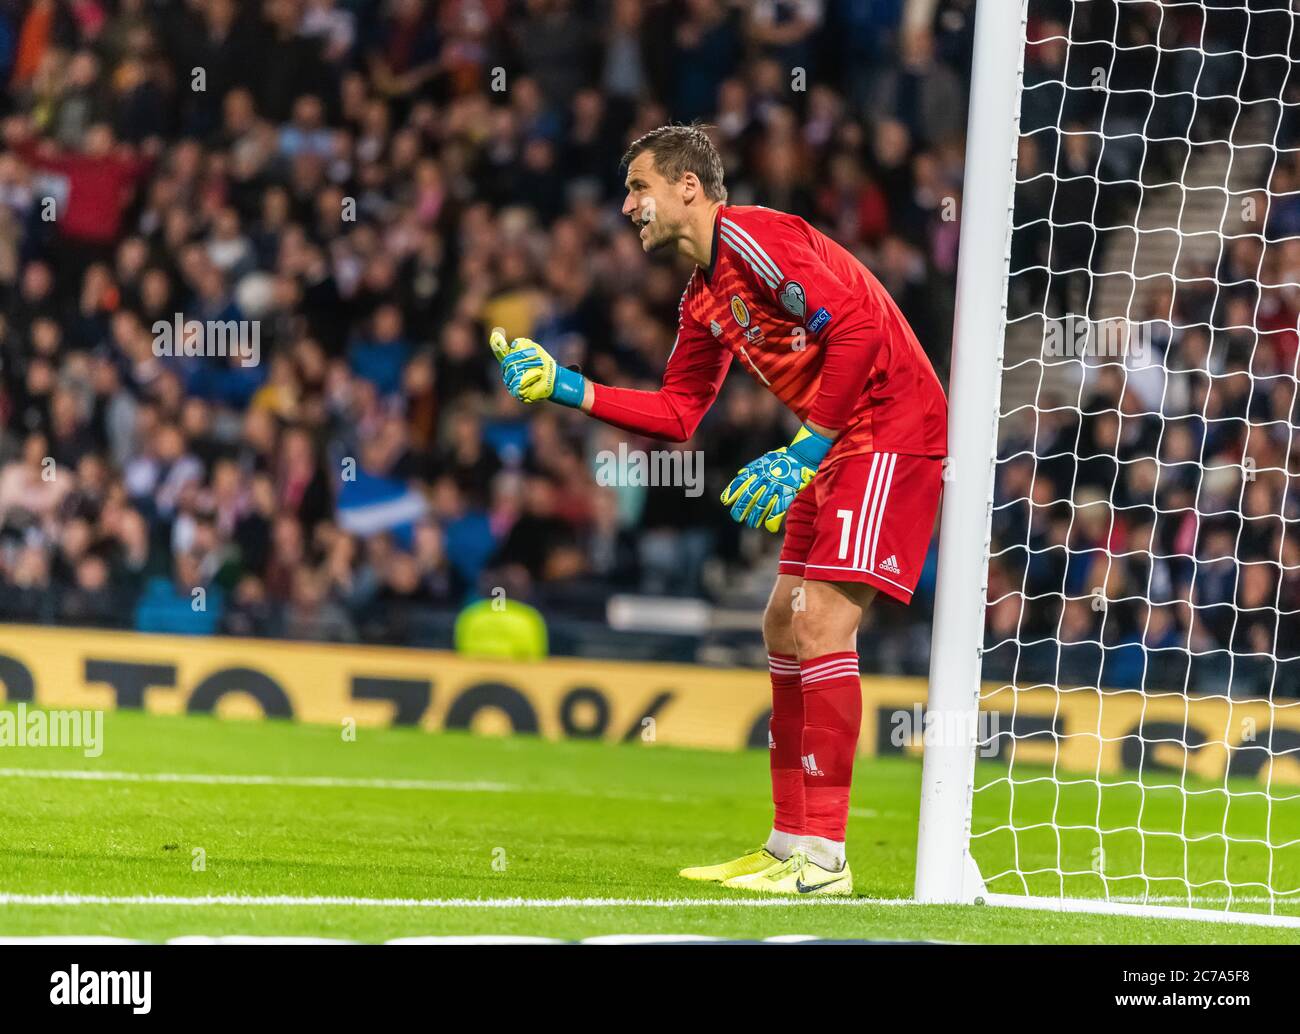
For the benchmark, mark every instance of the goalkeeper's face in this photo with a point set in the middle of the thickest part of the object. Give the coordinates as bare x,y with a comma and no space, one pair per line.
656,207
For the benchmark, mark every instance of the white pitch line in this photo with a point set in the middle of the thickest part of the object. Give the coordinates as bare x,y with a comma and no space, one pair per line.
329,782
1282,898
292,901
342,782
1094,906
335,782
289,900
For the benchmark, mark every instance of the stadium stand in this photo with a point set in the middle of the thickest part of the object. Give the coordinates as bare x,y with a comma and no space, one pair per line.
376,184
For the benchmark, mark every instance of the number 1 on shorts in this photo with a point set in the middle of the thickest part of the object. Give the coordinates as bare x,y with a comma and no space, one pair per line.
846,516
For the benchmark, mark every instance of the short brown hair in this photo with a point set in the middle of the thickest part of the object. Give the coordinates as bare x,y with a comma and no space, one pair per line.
678,150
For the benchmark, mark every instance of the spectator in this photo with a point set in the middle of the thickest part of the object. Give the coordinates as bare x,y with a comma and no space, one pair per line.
360,181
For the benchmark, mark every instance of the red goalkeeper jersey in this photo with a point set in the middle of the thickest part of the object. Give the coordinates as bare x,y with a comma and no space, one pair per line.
811,324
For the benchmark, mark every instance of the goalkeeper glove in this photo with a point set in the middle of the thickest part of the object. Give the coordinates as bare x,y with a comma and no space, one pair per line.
532,375
764,489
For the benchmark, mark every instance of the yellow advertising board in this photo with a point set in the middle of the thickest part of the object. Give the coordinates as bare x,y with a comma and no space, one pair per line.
684,705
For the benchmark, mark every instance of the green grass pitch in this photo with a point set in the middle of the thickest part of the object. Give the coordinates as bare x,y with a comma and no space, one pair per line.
519,818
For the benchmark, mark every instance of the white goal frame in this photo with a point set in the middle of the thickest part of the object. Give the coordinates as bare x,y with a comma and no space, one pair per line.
946,871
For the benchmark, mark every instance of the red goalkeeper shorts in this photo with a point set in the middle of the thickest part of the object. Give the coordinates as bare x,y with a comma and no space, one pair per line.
867,519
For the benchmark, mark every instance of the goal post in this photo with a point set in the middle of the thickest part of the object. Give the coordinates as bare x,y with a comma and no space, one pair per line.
945,871
1113,714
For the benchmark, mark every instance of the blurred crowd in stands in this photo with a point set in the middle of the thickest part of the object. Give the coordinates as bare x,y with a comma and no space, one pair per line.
1145,532
372,185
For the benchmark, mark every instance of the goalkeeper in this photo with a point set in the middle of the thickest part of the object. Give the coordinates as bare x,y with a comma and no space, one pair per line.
856,491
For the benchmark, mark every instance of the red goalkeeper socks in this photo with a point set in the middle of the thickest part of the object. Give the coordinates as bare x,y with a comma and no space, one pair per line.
832,717
813,736
785,738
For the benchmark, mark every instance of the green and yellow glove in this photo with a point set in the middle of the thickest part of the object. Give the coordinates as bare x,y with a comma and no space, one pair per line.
531,375
763,490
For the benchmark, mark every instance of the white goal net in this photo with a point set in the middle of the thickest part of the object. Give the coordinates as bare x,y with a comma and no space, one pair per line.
1141,631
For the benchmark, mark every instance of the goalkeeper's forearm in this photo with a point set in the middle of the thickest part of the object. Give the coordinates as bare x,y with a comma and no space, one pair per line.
655,414
672,412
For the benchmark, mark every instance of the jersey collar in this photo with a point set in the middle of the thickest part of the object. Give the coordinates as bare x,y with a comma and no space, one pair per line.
713,251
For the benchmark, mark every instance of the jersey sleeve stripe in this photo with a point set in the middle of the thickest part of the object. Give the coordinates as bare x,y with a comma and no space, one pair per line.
749,257
773,269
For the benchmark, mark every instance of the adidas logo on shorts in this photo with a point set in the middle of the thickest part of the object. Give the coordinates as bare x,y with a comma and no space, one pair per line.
890,564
